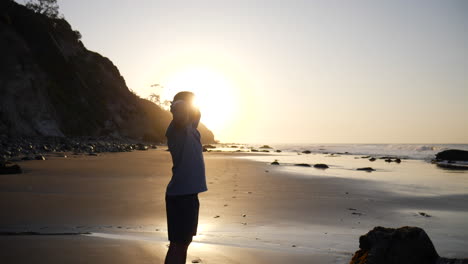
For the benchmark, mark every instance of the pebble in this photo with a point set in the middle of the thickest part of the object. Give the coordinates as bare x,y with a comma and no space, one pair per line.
40,157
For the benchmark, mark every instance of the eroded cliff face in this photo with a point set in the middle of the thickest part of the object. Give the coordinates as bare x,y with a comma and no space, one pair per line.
51,85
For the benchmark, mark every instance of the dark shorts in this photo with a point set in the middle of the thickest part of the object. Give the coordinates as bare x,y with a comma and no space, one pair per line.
182,217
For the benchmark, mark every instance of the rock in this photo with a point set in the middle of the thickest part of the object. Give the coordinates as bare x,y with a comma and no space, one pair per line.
398,160
405,245
40,157
197,260
209,146
278,150
453,154
306,151
275,162
141,147
321,166
264,150
424,214
302,165
368,169
266,147
388,160
9,168
372,159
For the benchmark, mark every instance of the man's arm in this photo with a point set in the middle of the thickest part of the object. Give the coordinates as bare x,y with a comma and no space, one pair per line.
180,114
196,117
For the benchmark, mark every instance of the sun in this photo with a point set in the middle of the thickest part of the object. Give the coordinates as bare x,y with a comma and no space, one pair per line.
215,94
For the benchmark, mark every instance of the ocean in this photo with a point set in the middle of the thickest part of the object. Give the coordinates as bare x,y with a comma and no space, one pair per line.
407,151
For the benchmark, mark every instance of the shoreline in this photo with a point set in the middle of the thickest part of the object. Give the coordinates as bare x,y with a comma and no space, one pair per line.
301,217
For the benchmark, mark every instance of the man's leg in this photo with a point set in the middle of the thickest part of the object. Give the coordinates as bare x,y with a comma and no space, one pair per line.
177,253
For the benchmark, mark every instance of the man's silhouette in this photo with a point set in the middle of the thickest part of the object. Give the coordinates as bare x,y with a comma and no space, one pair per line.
188,177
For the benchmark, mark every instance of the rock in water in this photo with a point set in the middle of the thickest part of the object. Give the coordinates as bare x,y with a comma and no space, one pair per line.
453,154
321,166
302,165
368,169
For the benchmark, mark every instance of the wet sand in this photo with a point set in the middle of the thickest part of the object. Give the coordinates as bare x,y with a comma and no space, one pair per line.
252,213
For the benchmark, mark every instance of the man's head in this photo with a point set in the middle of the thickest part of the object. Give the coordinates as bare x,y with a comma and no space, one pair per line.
185,96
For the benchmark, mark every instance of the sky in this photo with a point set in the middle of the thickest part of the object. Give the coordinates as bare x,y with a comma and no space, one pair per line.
272,71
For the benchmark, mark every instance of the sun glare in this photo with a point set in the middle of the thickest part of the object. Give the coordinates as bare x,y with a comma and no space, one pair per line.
215,94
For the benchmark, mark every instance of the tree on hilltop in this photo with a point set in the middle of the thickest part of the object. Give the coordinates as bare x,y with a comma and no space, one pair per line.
48,8
156,98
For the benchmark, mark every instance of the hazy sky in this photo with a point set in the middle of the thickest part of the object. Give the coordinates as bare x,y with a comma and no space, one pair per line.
296,71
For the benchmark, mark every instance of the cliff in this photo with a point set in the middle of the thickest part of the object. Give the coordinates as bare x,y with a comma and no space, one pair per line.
51,85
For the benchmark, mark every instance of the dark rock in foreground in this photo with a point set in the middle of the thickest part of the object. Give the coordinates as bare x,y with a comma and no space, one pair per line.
321,166
306,152
275,162
9,168
405,245
453,155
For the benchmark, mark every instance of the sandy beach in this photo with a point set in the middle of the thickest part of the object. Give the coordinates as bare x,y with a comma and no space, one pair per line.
253,212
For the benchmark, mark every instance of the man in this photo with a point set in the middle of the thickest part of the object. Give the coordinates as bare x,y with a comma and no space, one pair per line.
188,177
